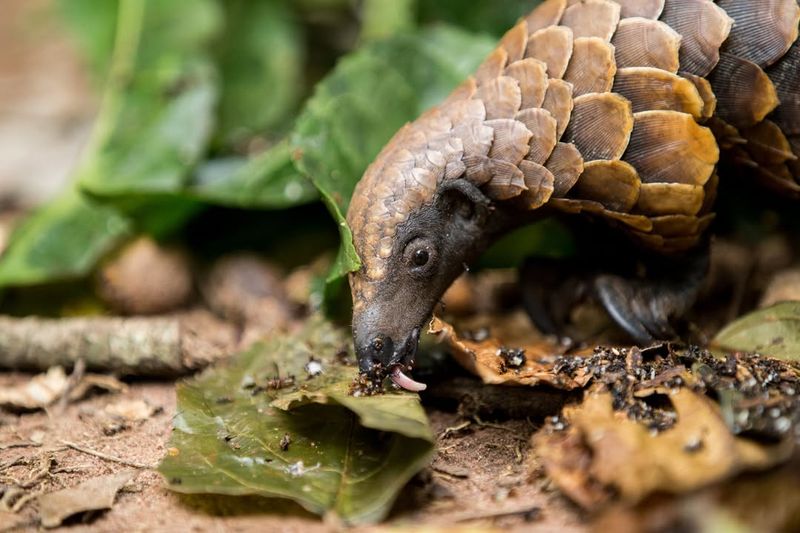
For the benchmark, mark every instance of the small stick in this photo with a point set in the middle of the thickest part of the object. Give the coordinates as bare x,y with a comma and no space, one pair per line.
20,444
105,456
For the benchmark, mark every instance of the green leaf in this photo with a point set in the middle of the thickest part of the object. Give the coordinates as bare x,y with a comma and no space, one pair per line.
267,181
158,108
60,241
774,331
93,25
384,18
491,16
347,455
261,58
367,98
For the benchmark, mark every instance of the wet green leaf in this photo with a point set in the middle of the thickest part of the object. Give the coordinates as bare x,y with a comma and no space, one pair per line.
261,59
367,98
310,442
62,240
773,331
266,181
158,107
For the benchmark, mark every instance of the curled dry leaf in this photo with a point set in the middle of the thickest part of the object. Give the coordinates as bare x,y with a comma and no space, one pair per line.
496,363
130,410
41,391
602,451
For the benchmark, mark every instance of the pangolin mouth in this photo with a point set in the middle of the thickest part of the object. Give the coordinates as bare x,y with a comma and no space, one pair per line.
406,361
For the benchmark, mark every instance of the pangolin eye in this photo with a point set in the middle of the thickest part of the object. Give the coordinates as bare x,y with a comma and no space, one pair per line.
420,257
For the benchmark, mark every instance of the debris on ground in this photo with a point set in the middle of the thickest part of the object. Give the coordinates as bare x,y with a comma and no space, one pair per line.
95,494
48,388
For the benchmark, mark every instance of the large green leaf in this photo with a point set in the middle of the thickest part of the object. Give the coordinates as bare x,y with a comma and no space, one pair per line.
92,24
158,108
261,60
267,181
492,16
367,98
773,331
62,240
347,455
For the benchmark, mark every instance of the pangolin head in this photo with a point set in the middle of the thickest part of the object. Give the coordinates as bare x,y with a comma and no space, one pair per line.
416,221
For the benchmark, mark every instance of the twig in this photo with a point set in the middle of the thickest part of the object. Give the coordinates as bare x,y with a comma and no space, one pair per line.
20,444
529,509
458,474
105,456
455,429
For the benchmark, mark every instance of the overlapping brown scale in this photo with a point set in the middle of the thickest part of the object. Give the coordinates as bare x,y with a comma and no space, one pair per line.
531,74
703,26
650,9
655,89
670,147
767,144
558,102
641,42
745,94
566,165
785,75
706,93
542,125
666,245
464,110
600,126
539,182
592,18
515,41
592,66
507,181
501,97
615,184
553,47
547,14
680,225
511,139
570,205
670,199
762,31
465,90
710,194
475,136
492,67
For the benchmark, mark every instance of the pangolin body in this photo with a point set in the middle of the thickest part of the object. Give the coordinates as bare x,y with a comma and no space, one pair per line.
620,109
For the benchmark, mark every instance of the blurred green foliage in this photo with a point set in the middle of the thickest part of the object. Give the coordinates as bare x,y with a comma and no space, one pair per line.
263,104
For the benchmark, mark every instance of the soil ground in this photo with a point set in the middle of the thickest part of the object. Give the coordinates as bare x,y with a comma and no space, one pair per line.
480,476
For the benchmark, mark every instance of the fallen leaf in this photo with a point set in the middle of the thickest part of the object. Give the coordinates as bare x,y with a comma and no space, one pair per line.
92,495
346,454
39,392
612,453
495,362
130,410
773,331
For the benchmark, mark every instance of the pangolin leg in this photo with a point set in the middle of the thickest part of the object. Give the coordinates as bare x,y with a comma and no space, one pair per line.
550,289
647,307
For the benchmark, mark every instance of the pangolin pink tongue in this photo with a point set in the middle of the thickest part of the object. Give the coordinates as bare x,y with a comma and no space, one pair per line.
405,382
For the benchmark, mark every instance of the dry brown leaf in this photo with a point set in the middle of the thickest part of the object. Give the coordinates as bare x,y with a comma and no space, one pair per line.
130,410
41,391
91,495
602,451
495,363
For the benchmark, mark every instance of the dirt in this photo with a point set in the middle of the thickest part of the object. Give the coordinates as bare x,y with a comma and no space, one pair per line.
480,476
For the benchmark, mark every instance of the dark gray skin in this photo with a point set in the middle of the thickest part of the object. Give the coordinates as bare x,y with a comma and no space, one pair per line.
431,250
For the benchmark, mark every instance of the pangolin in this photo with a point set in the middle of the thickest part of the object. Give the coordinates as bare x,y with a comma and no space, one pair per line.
617,109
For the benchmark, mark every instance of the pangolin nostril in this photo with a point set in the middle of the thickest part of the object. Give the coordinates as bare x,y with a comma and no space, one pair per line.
381,349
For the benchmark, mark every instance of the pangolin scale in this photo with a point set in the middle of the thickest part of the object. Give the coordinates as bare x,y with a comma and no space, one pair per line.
620,109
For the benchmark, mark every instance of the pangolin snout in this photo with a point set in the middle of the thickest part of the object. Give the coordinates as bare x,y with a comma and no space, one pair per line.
378,353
